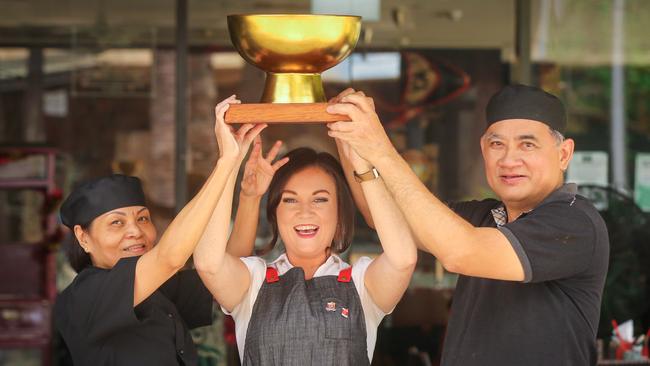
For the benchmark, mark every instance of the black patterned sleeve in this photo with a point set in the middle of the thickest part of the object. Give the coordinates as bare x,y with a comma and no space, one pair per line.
553,241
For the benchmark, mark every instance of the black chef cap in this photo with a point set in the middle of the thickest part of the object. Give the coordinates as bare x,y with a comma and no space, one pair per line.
98,196
526,102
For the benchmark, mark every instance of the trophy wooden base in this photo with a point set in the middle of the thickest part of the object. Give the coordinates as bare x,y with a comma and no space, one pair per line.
294,113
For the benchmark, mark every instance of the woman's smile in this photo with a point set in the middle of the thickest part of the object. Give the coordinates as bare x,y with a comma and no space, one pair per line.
306,231
136,249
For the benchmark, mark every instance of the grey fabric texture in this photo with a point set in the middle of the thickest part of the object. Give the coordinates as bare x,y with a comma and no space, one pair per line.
293,323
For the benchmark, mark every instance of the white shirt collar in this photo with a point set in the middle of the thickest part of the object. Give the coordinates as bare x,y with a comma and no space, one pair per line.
332,265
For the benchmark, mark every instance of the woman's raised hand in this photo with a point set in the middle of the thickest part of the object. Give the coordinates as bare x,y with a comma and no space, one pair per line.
233,144
259,170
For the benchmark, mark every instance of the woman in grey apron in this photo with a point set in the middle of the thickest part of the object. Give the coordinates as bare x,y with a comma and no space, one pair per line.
308,307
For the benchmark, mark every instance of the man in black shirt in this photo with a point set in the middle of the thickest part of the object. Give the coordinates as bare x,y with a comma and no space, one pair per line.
532,265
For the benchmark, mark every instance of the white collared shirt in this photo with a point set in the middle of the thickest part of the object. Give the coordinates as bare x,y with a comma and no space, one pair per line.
257,267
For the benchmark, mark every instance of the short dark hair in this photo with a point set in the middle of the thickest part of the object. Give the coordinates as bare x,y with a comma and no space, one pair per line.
557,135
299,160
76,255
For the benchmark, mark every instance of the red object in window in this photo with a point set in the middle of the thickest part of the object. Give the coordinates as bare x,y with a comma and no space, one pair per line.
623,345
28,288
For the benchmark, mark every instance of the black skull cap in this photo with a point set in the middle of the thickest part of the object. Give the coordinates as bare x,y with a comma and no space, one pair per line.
526,102
98,196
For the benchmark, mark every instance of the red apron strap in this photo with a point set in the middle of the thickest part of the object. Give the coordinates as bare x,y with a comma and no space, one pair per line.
345,275
272,275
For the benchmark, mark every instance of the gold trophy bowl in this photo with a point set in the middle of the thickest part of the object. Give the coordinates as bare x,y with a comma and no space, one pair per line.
293,49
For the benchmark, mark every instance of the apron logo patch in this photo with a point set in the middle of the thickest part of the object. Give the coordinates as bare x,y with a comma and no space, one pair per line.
331,306
345,312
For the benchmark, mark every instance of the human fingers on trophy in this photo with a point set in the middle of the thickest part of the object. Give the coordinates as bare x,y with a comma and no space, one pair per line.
293,50
343,93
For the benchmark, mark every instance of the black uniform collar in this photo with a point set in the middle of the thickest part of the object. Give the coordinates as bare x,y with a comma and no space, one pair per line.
566,193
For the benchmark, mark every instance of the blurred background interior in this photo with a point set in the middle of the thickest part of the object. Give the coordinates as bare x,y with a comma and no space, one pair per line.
90,87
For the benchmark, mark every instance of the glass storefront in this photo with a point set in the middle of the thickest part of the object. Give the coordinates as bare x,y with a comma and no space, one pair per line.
104,99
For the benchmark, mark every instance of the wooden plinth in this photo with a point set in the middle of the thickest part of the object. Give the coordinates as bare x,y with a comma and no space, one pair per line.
281,113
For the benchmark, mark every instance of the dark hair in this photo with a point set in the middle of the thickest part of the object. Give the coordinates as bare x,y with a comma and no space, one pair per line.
301,159
77,256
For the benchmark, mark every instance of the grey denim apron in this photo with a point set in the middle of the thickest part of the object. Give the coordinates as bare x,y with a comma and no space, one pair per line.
306,322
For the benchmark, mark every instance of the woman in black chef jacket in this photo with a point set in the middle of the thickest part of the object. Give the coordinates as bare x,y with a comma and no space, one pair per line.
129,304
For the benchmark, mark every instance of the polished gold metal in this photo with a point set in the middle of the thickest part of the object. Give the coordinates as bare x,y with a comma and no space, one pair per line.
293,49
